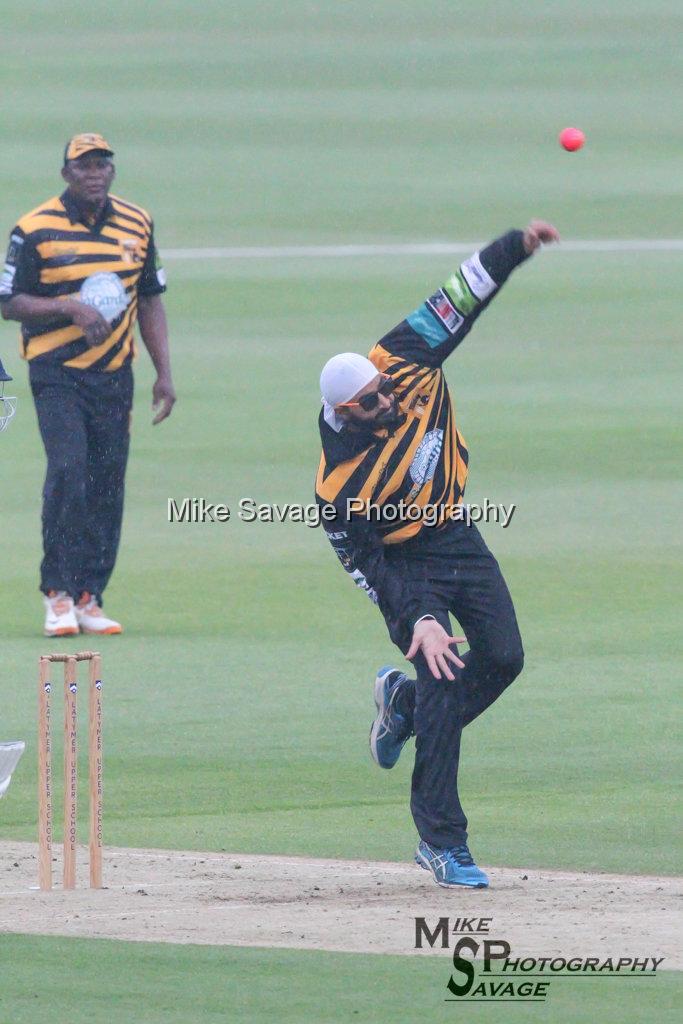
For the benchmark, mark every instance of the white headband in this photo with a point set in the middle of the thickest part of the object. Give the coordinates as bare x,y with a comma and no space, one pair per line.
342,377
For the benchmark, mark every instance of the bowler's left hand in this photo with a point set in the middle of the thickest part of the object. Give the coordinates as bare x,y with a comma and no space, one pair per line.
163,398
539,231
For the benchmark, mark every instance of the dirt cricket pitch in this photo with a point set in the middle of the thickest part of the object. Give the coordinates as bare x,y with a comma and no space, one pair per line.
342,905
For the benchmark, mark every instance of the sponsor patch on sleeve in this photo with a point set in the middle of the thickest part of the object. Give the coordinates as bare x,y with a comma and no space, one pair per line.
479,280
10,268
461,294
7,279
440,304
14,248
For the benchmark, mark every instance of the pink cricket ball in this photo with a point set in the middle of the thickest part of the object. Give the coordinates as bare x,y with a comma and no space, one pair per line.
572,139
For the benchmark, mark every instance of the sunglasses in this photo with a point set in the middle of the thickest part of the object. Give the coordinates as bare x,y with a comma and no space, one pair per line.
370,401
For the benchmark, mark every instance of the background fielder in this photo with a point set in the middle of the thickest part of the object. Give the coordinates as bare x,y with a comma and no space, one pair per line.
80,270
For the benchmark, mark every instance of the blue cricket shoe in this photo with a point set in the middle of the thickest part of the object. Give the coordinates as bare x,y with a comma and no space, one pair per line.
451,867
390,730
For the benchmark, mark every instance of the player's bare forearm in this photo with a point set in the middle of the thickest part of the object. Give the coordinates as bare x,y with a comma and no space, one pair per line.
31,309
154,333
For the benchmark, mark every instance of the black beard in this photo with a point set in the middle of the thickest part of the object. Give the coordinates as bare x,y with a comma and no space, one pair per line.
389,420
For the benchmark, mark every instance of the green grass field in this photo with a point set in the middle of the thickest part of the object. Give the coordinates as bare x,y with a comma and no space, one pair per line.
238,700
174,984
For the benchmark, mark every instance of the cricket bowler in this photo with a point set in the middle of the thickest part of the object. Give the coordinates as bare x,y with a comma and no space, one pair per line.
391,450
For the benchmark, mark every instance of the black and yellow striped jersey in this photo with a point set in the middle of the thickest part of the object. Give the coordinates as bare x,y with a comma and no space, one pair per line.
54,253
382,482
422,461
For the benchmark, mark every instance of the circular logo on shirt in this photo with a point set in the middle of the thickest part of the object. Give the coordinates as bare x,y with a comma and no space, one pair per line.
423,466
106,294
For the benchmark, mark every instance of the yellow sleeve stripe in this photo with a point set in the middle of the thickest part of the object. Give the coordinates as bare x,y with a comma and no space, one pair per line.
381,358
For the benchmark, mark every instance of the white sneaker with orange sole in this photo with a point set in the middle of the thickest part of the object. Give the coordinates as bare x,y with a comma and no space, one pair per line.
92,619
60,617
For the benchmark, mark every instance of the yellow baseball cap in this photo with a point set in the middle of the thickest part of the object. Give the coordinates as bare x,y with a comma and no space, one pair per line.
86,142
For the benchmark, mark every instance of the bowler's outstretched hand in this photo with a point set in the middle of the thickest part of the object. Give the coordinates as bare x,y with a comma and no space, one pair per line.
431,638
538,232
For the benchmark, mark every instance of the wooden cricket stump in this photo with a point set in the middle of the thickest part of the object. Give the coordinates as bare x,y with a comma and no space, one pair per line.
95,766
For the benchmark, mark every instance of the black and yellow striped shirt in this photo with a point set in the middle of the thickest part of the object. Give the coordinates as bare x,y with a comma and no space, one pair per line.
421,464
55,253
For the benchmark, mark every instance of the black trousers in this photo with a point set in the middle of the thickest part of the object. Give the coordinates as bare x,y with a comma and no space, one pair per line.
84,420
458,572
